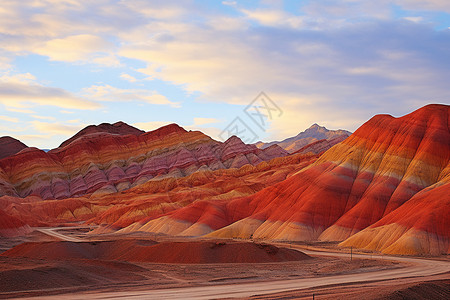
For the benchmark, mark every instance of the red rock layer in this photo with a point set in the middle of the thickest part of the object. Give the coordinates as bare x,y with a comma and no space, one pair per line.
420,226
196,252
10,146
321,145
11,226
159,197
155,197
105,163
353,185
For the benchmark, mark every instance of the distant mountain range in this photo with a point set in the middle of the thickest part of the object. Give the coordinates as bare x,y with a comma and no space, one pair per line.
313,134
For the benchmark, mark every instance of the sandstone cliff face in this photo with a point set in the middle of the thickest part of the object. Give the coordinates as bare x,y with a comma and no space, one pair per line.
103,162
380,177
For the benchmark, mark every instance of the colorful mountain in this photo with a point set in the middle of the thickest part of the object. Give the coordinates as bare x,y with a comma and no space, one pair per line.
119,128
10,146
389,178
102,162
313,134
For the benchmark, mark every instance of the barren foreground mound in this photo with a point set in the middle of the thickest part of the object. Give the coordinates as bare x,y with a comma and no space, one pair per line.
195,252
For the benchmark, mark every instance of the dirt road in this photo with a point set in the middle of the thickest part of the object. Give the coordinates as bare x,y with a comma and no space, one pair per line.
53,232
417,267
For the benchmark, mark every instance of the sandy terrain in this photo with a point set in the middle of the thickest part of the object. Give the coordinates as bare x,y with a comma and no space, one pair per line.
334,273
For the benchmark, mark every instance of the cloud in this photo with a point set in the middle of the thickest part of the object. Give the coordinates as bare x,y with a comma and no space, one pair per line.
276,18
414,19
229,3
9,119
369,67
152,125
20,110
337,62
43,117
203,121
20,92
56,128
128,77
110,93
75,48
431,5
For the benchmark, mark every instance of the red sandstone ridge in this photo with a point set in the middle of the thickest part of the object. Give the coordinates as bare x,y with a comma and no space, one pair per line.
384,172
10,146
119,128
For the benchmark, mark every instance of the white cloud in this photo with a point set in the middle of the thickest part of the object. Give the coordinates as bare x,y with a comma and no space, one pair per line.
276,18
20,110
9,119
414,19
75,48
203,121
229,3
152,125
128,77
56,128
326,60
110,93
43,117
20,92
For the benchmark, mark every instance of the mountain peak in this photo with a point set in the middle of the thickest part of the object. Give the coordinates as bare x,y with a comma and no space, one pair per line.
315,125
166,130
120,128
10,146
313,134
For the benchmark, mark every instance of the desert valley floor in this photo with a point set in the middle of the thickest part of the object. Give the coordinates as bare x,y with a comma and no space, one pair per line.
65,263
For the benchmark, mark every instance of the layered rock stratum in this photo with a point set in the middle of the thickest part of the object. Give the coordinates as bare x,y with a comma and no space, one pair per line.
383,188
109,161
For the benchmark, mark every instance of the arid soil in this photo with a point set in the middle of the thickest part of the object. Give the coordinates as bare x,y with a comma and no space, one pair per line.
61,267
435,287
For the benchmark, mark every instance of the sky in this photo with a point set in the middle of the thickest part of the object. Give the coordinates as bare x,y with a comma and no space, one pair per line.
66,64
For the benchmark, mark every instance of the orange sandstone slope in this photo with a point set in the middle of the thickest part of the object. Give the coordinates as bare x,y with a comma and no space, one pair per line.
373,176
104,161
